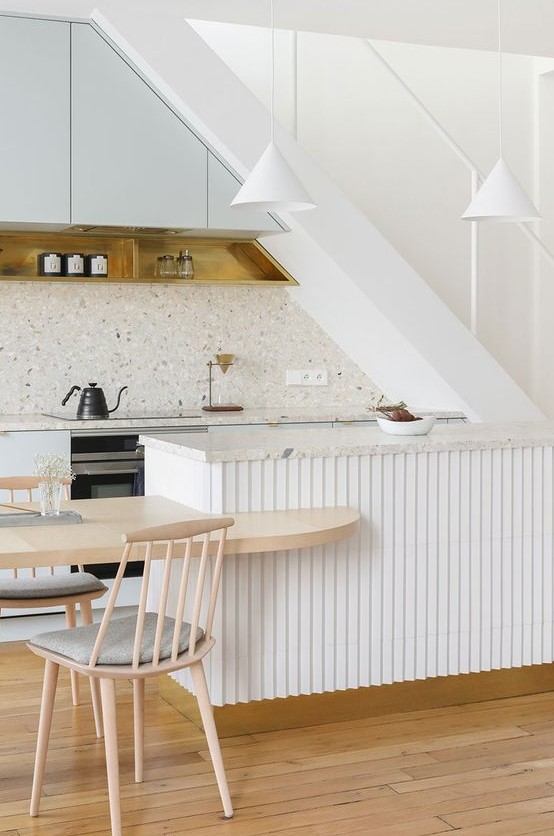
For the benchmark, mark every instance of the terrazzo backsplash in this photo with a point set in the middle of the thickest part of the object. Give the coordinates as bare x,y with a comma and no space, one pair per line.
158,340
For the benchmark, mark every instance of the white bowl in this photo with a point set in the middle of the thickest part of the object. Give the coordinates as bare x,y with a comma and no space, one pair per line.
421,427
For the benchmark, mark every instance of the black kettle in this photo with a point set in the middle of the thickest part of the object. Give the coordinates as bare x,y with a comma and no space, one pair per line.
92,403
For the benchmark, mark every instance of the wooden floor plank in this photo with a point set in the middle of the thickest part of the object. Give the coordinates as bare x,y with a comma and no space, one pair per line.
423,827
485,769
544,771
501,812
514,827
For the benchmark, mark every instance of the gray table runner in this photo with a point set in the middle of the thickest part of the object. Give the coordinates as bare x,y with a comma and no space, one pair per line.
23,518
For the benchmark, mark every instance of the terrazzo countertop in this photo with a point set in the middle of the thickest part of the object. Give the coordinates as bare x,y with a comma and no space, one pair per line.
195,417
262,444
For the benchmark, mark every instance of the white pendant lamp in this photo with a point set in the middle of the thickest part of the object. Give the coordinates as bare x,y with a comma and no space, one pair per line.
272,185
501,197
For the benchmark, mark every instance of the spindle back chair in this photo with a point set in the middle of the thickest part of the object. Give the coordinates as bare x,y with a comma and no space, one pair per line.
171,630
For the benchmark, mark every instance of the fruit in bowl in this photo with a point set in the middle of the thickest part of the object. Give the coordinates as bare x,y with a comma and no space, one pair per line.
396,419
419,426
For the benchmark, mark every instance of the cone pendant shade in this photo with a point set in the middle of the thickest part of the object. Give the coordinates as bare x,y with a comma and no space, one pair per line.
272,186
501,198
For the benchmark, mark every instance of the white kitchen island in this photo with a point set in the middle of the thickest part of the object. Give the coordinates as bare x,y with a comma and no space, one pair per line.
451,570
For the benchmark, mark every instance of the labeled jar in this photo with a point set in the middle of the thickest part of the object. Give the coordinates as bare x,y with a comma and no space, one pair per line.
49,264
73,264
96,264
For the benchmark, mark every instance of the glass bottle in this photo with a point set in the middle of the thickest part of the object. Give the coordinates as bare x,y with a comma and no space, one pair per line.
185,265
168,268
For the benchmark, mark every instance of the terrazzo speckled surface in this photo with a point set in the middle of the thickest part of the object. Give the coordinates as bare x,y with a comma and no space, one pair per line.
157,340
347,415
261,444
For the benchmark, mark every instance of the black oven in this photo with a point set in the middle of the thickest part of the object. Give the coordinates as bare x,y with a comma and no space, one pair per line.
107,465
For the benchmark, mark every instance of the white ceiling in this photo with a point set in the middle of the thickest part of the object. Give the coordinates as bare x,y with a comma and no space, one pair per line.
527,25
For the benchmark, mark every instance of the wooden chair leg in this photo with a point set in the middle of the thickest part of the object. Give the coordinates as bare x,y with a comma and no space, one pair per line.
51,670
210,730
138,720
96,706
86,617
70,620
85,608
107,689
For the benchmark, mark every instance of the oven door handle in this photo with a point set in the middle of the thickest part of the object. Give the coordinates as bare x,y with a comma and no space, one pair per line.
108,472
84,471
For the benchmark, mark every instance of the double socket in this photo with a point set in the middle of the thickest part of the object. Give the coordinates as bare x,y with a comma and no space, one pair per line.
306,377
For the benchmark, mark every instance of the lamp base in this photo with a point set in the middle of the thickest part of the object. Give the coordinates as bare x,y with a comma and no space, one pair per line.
224,407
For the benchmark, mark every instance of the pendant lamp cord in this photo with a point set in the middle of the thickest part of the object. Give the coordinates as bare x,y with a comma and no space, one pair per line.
272,105
499,77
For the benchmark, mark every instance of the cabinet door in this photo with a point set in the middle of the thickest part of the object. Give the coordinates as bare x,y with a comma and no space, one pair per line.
134,163
18,449
222,188
34,104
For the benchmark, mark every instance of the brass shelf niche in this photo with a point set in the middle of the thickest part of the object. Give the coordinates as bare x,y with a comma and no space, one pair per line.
132,260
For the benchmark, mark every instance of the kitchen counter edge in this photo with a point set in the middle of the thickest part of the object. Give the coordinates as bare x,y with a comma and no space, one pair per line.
296,443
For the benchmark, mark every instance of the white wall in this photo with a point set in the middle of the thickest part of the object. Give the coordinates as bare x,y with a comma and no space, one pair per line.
544,283
460,89
361,127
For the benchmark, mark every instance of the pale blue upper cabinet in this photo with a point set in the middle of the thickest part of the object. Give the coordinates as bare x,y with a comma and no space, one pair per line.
222,188
87,141
34,109
133,161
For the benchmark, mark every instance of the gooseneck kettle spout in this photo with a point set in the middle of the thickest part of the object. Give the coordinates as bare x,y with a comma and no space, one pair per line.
118,398
92,403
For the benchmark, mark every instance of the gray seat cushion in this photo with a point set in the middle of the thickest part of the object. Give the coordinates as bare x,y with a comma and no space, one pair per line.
50,586
77,643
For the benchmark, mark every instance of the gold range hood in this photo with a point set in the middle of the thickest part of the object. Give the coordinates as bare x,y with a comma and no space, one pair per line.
162,232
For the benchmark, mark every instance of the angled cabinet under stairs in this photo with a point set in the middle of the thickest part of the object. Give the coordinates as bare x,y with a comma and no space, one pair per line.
88,142
133,161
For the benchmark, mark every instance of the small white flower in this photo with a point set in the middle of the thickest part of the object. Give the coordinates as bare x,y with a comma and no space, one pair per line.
53,468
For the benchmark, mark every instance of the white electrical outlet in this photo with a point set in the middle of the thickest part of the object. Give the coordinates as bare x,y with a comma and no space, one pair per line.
306,377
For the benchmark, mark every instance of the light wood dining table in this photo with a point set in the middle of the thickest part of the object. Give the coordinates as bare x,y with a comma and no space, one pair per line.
98,539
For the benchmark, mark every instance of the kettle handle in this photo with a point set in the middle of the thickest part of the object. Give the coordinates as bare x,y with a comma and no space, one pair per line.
67,397
118,398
